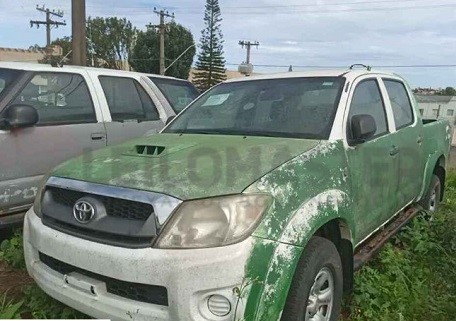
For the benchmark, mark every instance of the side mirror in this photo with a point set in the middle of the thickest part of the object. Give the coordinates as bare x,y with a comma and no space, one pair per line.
170,119
363,127
17,116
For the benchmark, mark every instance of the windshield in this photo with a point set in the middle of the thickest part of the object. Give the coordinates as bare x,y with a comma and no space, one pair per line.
178,93
289,107
7,77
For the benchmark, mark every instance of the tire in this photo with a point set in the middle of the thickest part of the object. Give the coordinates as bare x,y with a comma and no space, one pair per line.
319,261
431,199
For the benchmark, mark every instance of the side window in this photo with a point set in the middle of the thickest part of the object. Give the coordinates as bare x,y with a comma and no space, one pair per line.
148,104
59,98
367,99
400,103
127,100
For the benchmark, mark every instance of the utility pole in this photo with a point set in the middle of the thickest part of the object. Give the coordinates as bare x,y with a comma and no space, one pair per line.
161,31
248,45
49,22
78,32
246,68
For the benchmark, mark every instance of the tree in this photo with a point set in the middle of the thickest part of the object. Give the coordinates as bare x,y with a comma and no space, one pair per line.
110,40
210,67
449,91
146,52
65,44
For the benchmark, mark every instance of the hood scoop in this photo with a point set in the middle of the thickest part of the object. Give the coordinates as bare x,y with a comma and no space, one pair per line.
149,150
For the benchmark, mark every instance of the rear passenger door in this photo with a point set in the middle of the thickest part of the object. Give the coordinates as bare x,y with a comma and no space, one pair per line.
408,138
68,126
133,113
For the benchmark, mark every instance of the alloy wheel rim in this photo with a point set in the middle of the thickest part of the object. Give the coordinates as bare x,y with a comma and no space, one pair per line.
433,200
321,297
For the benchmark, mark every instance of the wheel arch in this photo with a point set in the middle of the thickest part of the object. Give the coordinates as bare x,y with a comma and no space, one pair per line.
273,262
339,233
436,164
440,171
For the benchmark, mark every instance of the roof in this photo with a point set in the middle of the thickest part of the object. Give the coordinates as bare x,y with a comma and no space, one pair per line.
32,50
314,73
165,77
47,67
433,99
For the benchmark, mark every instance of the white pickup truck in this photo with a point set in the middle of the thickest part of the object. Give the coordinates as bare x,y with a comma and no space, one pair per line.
50,114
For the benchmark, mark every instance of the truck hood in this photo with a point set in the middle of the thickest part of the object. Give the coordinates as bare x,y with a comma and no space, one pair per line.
185,166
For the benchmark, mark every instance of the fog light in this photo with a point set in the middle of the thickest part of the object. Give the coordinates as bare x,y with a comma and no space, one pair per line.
219,305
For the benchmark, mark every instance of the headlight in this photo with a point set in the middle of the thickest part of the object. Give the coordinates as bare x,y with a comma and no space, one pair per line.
39,196
214,221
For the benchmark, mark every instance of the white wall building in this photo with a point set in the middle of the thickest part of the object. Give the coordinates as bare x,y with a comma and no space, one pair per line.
438,107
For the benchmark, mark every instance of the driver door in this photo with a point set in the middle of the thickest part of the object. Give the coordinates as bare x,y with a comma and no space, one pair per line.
373,164
68,126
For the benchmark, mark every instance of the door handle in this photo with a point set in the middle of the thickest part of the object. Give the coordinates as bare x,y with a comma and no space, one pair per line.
394,150
419,140
97,136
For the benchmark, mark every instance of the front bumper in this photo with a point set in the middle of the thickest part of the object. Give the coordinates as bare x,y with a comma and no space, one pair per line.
190,276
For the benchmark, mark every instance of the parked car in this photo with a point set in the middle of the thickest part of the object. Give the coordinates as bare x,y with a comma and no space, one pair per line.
178,93
254,203
49,114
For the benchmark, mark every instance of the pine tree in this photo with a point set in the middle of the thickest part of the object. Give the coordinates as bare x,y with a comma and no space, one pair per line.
210,67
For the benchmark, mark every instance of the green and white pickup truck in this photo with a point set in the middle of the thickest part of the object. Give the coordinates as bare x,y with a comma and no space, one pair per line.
255,203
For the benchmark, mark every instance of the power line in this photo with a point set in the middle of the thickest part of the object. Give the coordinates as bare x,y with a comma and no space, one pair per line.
276,6
434,6
138,11
323,4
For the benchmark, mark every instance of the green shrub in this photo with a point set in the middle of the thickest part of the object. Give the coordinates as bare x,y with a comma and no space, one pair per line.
10,310
12,251
414,276
42,306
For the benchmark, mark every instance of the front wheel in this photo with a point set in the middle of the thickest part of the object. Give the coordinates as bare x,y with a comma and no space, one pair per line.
316,289
432,197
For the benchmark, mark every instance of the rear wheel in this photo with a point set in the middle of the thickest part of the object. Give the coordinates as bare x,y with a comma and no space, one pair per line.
316,289
431,200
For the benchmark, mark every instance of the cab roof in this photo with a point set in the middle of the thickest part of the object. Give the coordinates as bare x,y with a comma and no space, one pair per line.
46,67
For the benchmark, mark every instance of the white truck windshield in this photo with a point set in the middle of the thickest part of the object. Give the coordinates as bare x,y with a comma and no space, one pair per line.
288,107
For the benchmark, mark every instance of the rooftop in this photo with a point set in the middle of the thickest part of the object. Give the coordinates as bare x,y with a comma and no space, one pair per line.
433,99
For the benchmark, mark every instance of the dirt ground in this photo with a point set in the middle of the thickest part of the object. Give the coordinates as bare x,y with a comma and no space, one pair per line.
12,281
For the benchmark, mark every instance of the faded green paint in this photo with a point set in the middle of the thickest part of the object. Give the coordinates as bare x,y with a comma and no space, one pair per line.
191,166
308,191
311,190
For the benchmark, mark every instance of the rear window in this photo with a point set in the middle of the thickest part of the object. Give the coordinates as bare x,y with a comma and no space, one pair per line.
178,93
7,78
400,103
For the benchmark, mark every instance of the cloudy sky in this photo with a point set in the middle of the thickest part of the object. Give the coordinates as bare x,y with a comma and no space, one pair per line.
319,33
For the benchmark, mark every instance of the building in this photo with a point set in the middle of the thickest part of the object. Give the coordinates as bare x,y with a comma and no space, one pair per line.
438,107
22,55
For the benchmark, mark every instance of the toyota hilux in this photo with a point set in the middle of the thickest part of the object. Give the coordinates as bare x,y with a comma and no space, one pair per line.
254,203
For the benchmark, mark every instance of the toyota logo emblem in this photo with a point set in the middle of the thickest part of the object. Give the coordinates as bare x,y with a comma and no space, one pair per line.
83,211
